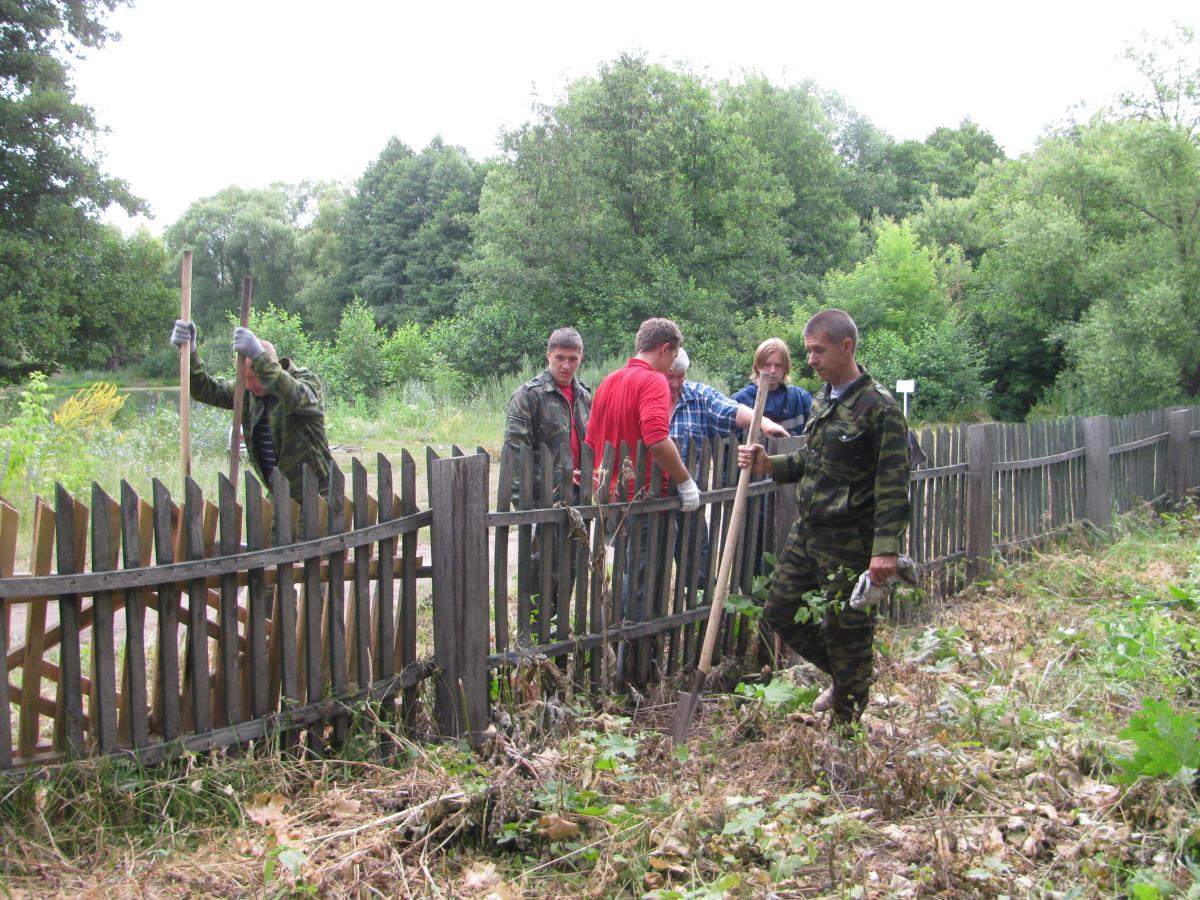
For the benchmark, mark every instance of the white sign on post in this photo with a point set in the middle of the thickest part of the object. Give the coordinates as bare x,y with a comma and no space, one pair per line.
906,386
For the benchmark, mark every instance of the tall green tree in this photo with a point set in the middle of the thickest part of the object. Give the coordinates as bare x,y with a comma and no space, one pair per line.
238,232
407,230
52,189
634,196
44,132
790,129
903,297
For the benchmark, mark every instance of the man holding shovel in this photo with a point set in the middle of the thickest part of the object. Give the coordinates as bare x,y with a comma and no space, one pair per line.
853,498
284,418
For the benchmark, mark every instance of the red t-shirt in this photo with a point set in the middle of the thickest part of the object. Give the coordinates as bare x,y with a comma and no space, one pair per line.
632,404
568,393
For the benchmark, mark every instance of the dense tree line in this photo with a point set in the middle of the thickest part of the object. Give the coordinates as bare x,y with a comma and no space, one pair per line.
1064,281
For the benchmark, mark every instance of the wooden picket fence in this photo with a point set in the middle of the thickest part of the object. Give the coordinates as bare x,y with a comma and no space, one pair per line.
245,623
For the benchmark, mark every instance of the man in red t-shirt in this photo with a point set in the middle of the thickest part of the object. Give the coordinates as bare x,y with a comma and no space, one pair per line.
634,404
630,405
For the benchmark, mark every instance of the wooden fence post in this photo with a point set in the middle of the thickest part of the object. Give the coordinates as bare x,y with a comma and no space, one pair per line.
786,507
1097,440
980,441
1179,455
458,497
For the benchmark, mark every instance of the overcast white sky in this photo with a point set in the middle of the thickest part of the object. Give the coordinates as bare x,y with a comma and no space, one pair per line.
198,96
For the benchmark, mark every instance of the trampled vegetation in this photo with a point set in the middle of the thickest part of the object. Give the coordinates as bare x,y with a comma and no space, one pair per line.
1036,736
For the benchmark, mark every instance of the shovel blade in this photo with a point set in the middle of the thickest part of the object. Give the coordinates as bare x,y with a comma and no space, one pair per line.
685,710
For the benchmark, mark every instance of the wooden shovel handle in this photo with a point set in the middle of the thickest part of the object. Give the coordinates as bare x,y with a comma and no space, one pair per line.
185,370
239,389
731,540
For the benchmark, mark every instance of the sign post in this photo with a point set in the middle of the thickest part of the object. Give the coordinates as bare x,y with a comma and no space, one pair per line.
906,386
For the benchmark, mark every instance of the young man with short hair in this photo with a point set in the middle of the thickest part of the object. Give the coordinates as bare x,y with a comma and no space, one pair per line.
852,492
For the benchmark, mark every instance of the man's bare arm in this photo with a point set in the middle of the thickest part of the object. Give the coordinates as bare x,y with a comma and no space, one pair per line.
666,455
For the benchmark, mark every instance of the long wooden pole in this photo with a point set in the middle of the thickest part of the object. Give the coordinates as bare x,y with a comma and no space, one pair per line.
239,389
185,371
685,709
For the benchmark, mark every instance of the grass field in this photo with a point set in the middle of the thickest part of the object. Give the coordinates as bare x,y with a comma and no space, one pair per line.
1033,737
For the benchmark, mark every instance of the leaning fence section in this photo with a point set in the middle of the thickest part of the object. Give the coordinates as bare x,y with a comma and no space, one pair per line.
152,625
200,624
611,579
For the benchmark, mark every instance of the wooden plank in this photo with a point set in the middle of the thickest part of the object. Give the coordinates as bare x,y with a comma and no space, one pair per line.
385,599
337,602
41,560
196,671
697,577
547,549
724,645
475,631
525,589
583,565
979,500
635,578
256,671
458,542
564,565
1099,496
601,587
167,712
358,637
9,524
310,602
227,696
1178,476
500,579
69,725
618,524
650,569
133,725
406,630
662,606
684,564
102,708
285,653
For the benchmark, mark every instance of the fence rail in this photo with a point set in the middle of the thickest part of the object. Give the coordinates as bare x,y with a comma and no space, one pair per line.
150,627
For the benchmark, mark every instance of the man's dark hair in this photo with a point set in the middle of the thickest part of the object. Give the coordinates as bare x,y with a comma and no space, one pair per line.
835,324
653,333
567,338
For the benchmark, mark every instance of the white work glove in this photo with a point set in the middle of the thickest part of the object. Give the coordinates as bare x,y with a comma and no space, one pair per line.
184,333
246,343
689,494
867,593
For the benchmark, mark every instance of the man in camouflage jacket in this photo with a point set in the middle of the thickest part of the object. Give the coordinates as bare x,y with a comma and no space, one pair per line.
549,411
283,419
852,491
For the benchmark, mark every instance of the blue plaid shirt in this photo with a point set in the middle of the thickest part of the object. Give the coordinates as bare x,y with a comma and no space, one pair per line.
702,412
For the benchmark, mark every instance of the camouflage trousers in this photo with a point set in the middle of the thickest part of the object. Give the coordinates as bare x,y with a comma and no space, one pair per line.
817,572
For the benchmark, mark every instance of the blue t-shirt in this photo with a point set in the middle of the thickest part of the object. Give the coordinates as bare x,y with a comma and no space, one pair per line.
787,405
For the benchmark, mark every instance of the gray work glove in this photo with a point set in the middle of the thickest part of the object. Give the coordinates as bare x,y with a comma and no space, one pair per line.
689,494
184,333
245,343
867,593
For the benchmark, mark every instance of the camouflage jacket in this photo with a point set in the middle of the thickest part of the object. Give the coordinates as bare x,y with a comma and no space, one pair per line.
854,466
538,415
296,417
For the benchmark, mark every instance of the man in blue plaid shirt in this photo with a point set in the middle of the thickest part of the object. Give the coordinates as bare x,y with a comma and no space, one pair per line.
701,411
